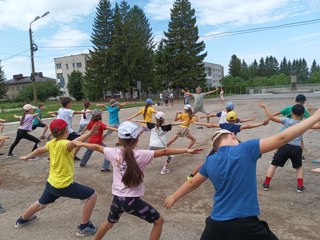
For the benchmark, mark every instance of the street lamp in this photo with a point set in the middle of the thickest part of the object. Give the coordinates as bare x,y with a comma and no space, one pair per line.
33,48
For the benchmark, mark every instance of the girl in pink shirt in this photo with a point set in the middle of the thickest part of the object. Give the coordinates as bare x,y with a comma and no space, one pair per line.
127,187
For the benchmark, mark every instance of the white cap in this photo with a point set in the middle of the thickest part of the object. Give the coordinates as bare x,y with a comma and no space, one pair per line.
128,130
27,107
187,106
218,133
160,115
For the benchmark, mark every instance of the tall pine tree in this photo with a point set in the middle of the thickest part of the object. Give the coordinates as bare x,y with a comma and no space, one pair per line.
234,66
3,85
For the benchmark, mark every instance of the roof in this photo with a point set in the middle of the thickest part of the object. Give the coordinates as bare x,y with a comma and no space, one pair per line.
27,79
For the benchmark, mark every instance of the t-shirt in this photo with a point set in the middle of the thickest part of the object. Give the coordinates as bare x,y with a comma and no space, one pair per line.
113,114
184,117
288,122
142,157
27,122
223,117
148,117
87,119
61,163
287,112
234,128
158,135
198,99
66,115
186,99
232,171
35,119
96,138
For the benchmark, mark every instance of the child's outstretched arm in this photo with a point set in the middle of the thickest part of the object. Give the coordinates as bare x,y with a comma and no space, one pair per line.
210,125
101,105
208,116
183,91
17,117
268,113
210,92
246,119
254,125
112,129
175,151
139,121
53,113
278,140
82,138
134,115
122,104
2,120
81,112
94,147
37,152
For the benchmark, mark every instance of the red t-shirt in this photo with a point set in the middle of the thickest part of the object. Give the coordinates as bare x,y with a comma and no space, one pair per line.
96,138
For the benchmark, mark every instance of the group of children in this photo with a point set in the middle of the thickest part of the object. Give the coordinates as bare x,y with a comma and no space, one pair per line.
129,163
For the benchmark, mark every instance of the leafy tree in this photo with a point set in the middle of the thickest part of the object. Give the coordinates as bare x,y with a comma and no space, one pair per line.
183,48
3,85
284,67
315,77
262,68
234,66
253,68
314,68
45,90
75,85
161,68
244,72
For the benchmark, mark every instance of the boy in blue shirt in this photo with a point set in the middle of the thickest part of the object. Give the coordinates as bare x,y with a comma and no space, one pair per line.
232,171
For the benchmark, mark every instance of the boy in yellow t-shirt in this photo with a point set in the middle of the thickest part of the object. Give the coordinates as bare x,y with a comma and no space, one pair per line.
60,181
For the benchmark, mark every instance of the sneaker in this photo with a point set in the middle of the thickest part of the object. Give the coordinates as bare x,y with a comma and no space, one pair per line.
190,176
105,170
2,209
10,155
200,127
165,171
76,158
42,137
21,223
300,189
1,154
303,159
87,231
48,160
34,159
81,164
265,186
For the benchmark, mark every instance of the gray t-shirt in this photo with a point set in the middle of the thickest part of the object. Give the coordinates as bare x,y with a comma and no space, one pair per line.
66,115
288,122
198,99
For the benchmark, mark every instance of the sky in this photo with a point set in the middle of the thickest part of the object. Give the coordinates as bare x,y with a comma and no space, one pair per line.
282,28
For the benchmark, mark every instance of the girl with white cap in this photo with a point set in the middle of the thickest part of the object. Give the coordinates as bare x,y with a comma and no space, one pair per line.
24,129
127,187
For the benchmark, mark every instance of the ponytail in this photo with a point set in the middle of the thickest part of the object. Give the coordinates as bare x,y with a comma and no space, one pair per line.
23,117
190,113
86,106
145,110
133,175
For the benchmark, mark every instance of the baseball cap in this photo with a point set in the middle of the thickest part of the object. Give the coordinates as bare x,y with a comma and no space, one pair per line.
229,106
218,133
96,112
231,116
27,107
149,100
160,115
187,107
301,98
113,102
57,125
298,109
128,130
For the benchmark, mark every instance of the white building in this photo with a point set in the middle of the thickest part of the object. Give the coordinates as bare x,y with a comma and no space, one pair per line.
214,73
64,66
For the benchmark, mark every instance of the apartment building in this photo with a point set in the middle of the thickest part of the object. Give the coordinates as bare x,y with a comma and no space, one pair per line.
214,73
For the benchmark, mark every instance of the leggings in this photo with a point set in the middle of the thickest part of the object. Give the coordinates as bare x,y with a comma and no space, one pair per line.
21,133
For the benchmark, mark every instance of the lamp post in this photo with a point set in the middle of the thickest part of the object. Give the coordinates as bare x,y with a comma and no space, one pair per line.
34,48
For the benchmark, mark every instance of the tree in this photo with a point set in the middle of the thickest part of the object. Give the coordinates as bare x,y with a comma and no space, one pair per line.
234,66
98,73
183,48
253,68
314,67
45,90
3,85
244,72
262,68
75,85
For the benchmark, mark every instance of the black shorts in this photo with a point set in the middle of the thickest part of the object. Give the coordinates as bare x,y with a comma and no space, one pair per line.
134,206
73,136
74,190
250,228
284,153
38,125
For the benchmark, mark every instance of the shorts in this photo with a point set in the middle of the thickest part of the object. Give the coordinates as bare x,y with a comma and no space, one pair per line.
134,206
74,190
249,228
182,132
285,152
38,125
73,136
200,109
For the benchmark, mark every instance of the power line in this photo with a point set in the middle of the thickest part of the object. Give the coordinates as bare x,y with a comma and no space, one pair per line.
15,55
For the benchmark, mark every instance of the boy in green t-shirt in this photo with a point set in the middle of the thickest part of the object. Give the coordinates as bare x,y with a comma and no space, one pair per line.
37,121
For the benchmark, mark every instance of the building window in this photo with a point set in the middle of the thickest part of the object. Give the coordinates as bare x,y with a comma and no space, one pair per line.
58,65
79,65
67,66
73,65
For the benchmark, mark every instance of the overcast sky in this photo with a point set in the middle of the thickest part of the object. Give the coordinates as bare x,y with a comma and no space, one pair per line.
67,29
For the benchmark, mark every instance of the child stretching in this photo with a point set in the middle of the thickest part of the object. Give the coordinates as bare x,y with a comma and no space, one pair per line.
85,117
24,129
37,122
158,137
186,118
60,181
292,150
2,125
147,112
96,138
127,187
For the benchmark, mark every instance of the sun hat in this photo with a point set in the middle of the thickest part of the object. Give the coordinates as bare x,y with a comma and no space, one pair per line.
128,130
187,107
57,125
96,112
301,98
218,133
160,115
231,116
113,102
149,100
229,106
298,109
27,107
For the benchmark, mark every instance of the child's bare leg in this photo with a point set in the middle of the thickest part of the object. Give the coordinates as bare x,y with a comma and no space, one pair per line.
35,207
172,140
88,208
193,140
45,129
103,229
157,229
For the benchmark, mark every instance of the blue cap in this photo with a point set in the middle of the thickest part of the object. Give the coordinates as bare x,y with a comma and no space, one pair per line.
229,106
149,100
